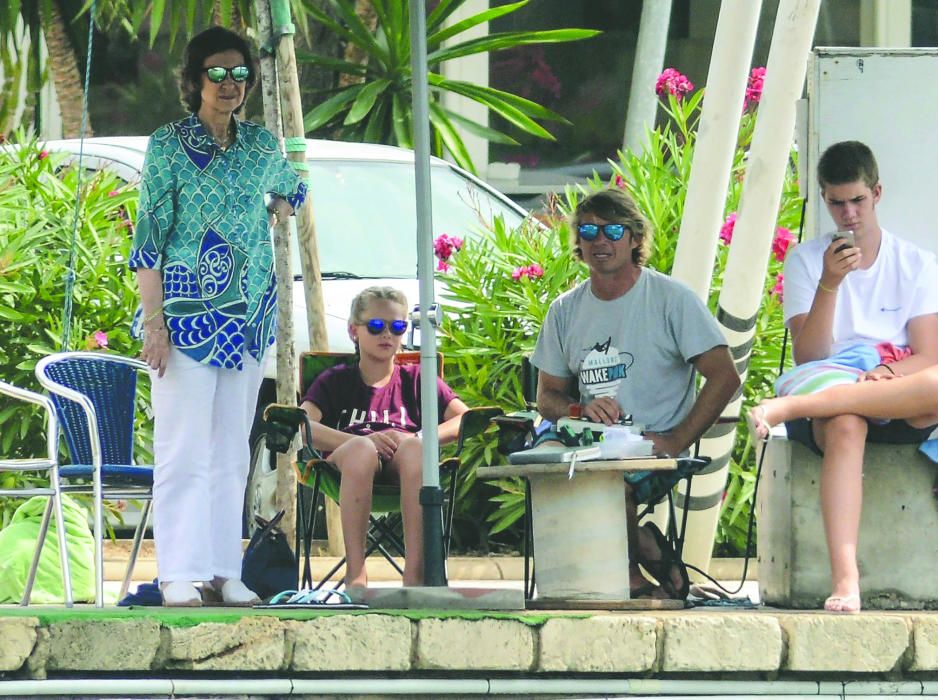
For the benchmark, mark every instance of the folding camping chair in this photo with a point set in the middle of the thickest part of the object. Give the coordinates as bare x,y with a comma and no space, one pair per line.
49,465
95,396
317,476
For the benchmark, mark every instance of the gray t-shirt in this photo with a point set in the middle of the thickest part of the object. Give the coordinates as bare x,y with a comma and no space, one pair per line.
636,348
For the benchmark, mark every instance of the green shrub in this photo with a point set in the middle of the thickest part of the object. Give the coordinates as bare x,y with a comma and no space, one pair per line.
37,211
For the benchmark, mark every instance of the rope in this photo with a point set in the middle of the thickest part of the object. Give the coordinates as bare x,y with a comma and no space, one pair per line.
72,254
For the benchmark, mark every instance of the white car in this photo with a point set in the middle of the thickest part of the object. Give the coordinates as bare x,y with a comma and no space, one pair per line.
363,207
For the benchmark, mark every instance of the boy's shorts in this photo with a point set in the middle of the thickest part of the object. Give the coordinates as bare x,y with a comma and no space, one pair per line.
895,432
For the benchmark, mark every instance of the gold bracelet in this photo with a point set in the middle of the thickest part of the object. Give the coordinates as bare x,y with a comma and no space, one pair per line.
826,289
153,314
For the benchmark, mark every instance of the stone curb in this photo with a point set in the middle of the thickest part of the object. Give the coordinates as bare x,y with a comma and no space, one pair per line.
699,642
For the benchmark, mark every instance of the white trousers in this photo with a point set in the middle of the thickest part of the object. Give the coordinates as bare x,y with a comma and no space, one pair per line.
203,418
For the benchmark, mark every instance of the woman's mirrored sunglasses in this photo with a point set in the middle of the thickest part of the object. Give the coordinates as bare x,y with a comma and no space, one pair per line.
590,232
217,74
376,326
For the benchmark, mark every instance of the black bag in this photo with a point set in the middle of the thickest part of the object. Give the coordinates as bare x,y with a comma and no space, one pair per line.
269,565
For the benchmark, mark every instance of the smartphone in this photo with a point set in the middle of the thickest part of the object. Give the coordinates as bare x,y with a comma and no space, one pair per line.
849,241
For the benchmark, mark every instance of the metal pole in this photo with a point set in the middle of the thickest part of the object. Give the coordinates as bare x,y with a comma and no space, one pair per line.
649,61
431,495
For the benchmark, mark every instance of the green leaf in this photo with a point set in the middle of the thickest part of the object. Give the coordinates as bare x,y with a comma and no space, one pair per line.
328,109
508,40
366,100
450,137
474,21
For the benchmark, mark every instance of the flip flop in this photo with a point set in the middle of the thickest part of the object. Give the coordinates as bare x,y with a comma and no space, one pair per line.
663,568
755,420
849,604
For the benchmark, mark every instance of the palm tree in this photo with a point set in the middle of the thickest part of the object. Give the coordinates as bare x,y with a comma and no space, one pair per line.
53,21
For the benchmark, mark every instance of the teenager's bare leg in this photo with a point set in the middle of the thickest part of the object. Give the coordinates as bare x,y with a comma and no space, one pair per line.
843,440
913,398
357,460
407,464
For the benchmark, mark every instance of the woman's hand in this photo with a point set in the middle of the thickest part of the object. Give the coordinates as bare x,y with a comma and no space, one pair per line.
156,348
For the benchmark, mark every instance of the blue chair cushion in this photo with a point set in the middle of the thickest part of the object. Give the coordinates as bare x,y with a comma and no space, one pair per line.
138,474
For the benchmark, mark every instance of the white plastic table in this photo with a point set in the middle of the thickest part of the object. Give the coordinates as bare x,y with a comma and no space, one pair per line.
580,532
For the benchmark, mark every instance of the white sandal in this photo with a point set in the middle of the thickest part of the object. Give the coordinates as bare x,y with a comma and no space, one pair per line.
180,594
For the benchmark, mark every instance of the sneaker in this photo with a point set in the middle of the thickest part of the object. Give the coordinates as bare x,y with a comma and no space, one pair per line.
233,593
180,594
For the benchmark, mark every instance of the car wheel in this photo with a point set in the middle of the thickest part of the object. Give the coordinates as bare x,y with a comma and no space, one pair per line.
260,496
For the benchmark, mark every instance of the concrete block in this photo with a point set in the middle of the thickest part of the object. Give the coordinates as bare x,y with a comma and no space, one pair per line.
897,563
727,642
924,643
854,643
252,644
600,644
474,645
17,639
103,645
351,643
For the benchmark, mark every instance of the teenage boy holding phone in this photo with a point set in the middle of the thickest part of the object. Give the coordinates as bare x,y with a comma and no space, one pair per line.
880,290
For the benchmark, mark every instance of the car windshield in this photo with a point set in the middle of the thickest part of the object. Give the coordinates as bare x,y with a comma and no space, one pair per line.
366,221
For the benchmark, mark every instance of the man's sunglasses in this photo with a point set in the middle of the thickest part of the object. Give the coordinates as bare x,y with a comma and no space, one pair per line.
217,74
376,326
590,232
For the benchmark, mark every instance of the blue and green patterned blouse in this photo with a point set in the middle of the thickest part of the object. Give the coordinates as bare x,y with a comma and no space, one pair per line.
202,221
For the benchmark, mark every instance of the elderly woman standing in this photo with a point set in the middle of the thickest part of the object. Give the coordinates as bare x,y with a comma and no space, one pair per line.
204,266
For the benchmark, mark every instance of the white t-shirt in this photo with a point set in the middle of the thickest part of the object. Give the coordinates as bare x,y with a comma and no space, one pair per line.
636,348
873,305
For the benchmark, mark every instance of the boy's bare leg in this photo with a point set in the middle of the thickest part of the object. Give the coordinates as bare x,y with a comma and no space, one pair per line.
407,464
843,440
913,398
358,463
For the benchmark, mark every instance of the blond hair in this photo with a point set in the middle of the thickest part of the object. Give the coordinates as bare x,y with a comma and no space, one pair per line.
370,294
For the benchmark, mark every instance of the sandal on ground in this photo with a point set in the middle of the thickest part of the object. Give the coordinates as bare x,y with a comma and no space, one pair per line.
665,566
843,604
755,420
233,593
180,594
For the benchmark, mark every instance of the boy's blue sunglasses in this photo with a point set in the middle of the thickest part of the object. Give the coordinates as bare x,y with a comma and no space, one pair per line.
376,326
590,232
217,74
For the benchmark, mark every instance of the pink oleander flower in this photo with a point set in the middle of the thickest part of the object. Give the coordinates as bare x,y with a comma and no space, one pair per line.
781,243
444,246
43,155
620,182
726,230
778,291
532,271
100,337
113,193
443,266
672,81
754,87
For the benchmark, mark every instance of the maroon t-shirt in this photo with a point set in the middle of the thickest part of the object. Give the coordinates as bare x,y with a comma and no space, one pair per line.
350,405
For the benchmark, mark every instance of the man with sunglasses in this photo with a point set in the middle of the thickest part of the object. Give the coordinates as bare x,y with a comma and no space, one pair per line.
630,340
204,265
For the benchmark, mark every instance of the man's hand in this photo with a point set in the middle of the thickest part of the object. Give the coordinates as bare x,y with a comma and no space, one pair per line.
664,444
603,410
838,264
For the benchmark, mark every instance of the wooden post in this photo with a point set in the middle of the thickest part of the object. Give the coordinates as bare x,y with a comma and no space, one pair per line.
286,353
